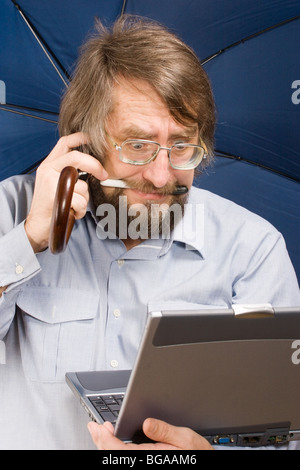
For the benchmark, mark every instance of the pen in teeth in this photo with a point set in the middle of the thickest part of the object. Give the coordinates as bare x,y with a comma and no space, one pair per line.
112,183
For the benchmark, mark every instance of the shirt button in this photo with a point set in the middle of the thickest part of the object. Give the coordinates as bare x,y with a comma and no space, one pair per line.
114,363
19,269
117,313
120,262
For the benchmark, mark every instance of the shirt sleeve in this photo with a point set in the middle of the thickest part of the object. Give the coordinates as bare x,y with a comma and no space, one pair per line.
18,262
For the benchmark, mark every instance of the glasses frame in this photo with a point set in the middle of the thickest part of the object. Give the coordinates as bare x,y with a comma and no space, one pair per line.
160,147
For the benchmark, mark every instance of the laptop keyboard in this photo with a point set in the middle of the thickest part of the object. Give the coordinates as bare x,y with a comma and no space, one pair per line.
108,406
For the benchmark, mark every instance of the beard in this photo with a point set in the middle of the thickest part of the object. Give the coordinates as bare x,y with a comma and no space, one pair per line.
143,220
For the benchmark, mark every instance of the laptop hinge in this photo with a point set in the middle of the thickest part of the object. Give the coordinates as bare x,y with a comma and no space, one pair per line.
253,310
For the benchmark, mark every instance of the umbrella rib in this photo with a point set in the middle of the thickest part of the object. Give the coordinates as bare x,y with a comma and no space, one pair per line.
27,108
123,7
43,45
27,115
219,153
254,35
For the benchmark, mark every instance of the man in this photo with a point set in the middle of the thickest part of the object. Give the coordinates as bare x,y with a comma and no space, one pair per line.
139,111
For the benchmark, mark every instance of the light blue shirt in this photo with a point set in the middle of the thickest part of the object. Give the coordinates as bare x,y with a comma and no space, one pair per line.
86,309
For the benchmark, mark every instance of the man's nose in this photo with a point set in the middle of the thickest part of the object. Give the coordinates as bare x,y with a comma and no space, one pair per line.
158,171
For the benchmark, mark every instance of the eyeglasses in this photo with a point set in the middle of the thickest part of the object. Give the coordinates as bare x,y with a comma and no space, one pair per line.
182,156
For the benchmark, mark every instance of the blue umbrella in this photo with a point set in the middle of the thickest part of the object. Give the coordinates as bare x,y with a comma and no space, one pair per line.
249,50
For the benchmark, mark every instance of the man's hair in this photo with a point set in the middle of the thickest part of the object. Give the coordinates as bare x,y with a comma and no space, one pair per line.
136,48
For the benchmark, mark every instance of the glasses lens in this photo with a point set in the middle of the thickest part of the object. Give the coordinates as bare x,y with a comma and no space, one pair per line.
138,151
186,156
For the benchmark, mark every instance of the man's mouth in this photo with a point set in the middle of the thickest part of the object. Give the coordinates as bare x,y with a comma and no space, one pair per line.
156,196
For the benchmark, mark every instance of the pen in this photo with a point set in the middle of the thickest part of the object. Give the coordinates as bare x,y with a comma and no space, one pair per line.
114,183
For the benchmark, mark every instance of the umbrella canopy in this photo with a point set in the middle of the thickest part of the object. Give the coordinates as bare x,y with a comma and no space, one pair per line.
249,50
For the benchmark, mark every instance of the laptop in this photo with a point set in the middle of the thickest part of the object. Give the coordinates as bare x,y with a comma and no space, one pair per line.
232,375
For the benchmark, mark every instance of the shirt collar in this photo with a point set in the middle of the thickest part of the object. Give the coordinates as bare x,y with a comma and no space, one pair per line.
190,230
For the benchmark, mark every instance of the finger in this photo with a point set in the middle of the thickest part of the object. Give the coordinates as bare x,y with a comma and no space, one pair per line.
104,438
109,426
81,188
68,143
63,154
79,205
80,199
80,161
179,437
95,434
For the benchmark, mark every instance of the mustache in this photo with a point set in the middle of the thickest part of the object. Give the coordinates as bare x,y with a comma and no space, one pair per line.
148,187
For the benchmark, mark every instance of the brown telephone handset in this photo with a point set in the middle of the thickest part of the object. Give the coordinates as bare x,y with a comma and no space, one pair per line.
63,216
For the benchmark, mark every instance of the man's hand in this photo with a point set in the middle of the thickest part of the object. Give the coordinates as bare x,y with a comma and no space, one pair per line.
37,225
166,437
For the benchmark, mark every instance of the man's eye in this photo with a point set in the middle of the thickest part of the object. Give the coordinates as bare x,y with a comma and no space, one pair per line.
180,145
137,146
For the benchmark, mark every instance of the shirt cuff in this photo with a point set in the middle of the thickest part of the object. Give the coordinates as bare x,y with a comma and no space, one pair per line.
18,261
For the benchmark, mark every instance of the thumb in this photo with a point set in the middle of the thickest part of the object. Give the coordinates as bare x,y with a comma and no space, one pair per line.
176,437
158,431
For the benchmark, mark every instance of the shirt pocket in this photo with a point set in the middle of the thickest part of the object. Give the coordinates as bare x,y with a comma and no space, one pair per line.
56,331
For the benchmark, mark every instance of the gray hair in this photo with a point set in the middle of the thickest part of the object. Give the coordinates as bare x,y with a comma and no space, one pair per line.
136,48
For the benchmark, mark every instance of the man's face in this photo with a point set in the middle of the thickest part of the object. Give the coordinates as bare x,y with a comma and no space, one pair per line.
139,113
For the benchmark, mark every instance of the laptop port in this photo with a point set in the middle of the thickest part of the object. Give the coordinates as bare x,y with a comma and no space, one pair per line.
225,439
273,436
250,439
282,439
